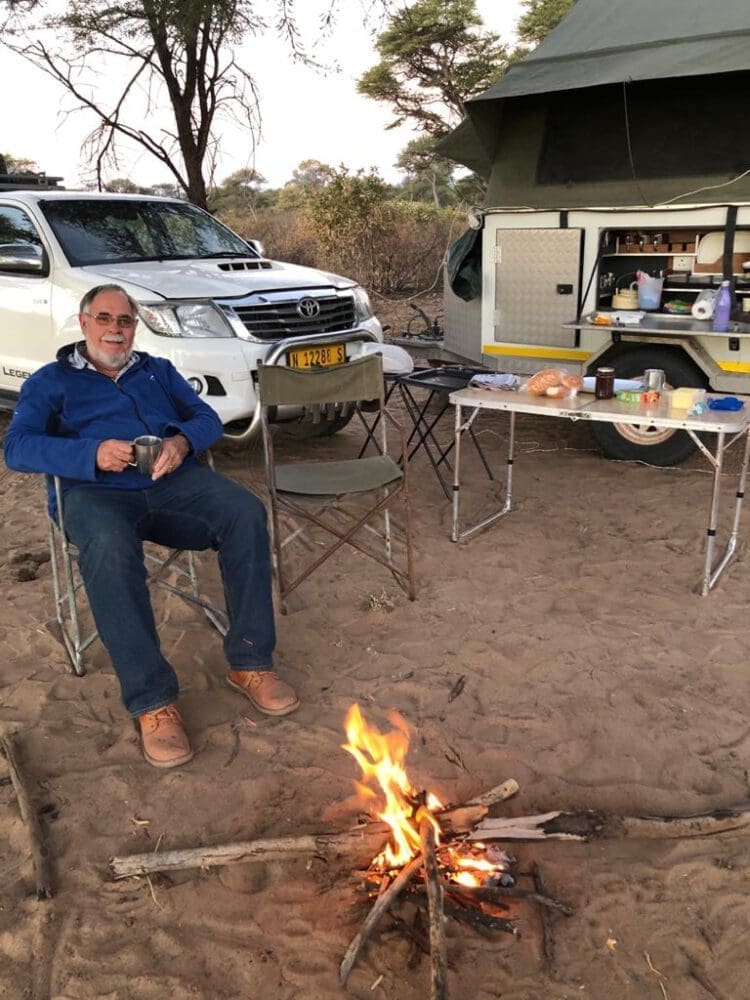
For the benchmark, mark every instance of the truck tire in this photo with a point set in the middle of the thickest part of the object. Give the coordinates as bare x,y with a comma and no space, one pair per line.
304,429
631,442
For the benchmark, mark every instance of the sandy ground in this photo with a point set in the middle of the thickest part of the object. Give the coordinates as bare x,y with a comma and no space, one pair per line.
593,674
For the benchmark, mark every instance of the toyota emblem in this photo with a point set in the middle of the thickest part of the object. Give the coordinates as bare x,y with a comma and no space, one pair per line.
308,308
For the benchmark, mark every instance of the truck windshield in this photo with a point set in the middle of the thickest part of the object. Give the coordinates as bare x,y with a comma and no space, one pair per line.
104,231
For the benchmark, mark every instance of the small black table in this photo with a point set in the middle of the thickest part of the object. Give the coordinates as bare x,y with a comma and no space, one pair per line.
446,379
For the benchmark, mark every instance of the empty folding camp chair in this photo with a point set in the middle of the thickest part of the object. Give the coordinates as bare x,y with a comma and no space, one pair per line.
70,595
318,492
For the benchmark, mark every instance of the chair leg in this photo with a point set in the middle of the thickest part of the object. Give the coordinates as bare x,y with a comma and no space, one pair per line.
274,531
216,616
62,576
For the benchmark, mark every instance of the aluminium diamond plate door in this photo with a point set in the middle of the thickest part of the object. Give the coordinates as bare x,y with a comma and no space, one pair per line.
537,285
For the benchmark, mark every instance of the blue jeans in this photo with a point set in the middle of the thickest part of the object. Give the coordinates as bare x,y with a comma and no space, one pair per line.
193,508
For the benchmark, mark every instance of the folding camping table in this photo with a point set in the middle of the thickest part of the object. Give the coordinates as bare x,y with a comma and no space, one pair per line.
727,427
424,421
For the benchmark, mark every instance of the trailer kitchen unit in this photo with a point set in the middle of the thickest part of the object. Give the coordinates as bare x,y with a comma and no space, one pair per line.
620,145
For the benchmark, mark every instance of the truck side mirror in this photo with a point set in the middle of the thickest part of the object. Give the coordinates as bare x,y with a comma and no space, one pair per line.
257,247
25,258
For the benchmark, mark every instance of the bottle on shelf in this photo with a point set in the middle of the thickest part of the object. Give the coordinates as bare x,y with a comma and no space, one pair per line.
723,307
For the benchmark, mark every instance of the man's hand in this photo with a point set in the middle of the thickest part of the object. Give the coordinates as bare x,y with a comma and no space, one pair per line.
172,455
114,455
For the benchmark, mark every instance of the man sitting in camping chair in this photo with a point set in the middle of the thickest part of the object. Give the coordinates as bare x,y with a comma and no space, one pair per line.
76,418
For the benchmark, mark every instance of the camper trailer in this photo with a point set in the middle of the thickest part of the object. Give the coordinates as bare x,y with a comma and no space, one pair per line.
560,290
618,200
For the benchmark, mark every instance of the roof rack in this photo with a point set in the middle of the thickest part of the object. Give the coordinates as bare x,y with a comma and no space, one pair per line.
21,182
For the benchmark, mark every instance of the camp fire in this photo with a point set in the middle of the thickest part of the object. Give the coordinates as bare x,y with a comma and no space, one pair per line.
394,799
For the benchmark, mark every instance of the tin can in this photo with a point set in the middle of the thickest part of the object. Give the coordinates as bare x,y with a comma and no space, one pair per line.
604,386
653,380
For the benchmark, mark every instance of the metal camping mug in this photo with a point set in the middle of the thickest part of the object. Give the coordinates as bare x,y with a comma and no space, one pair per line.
653,380
146,450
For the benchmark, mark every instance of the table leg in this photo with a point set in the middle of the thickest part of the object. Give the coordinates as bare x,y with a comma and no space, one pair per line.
456,473
461,427
423,431
711,576
370,430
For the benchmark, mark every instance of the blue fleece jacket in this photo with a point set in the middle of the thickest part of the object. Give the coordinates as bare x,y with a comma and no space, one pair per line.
64,413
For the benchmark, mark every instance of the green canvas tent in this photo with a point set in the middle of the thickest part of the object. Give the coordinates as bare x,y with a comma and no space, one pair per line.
626,102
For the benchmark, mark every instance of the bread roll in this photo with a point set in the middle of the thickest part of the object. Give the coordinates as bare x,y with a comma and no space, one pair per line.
556,391
571,381
543,380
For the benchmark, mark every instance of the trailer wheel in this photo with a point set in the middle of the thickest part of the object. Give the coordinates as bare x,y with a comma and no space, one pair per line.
644,442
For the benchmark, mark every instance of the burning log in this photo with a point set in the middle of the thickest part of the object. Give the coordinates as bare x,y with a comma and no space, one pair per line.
438,947
590,825
384,900
433,857
548,942
363,841
497,894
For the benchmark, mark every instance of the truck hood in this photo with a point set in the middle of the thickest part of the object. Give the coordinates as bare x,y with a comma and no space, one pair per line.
212,279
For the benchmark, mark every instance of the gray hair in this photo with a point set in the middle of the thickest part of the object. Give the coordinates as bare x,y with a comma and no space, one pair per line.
92,293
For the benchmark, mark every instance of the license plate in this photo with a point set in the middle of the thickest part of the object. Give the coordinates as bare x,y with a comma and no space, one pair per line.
317,357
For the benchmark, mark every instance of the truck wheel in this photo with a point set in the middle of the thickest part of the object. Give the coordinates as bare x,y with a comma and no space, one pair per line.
644,442
303,429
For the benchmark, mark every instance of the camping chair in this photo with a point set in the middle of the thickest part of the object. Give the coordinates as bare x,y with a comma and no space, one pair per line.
68,585
320,492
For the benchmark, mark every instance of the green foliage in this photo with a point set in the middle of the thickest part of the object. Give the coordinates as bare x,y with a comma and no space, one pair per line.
433,57
358,229
241,192
123,185
429,177
540,18
345,208
308,178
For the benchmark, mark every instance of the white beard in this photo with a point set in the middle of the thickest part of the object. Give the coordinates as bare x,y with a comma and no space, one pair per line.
113,361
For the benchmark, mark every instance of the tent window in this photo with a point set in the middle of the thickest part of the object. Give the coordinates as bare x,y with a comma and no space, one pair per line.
678,128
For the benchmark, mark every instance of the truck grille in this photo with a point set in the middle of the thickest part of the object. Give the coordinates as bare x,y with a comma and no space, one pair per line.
276,320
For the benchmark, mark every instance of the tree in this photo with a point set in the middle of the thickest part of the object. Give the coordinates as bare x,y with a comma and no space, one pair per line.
184,48
17,164
540,18
433,57
123,185
428,176
308,178
241,192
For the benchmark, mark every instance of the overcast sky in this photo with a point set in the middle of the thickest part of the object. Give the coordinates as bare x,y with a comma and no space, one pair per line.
306,115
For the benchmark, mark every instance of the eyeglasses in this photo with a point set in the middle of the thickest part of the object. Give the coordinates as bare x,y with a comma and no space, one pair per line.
124,322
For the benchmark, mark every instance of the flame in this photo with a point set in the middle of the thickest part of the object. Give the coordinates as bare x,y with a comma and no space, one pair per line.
467,879
381,758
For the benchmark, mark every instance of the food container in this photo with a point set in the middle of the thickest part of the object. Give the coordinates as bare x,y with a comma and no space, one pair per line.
625,298
604,387
653,379
685,397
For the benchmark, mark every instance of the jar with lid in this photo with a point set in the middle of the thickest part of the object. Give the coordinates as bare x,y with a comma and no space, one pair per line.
604,386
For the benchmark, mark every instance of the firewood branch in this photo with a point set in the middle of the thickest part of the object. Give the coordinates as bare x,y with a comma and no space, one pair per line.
40,860
438,945
365,842
591,825
384,900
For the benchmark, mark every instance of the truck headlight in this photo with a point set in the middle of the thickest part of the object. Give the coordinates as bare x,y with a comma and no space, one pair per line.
185,319
362,306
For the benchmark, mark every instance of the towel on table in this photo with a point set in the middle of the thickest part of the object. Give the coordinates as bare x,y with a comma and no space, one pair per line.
494,381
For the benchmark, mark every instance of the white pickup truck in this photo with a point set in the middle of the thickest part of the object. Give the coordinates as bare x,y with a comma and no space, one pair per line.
207,299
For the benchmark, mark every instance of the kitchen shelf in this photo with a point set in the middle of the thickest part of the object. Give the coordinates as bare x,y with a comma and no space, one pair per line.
666,324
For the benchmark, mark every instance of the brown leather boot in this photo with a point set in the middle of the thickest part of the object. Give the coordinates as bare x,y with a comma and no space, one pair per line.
163,737
266,690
